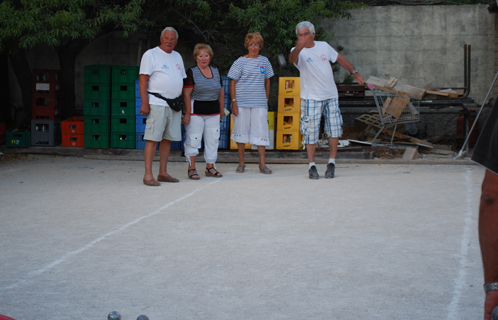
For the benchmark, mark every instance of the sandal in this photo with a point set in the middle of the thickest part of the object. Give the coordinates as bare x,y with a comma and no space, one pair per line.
240,168
216,174
194,175
265,170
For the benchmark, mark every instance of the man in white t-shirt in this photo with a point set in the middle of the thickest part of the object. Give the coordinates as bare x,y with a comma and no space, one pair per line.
319,93
161,72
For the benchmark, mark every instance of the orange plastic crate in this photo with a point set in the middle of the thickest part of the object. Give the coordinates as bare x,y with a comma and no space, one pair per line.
73,140
73,125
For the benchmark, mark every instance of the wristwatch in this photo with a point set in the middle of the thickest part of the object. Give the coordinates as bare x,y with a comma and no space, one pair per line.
493,286
354,71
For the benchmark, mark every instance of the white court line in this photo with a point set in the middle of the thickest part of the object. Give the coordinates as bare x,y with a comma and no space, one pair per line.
459,281
68,255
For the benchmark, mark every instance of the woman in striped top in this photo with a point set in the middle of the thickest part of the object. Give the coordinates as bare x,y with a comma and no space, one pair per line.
249,89
204,107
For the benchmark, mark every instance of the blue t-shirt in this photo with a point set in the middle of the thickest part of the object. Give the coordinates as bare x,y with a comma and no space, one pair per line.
250,74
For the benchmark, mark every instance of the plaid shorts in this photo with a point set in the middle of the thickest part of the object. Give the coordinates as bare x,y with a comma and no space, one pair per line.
311,114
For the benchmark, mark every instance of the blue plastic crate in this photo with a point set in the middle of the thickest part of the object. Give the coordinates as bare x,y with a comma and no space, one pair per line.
137,88
138,102
140,142
224,140
140,123
225,124
225,81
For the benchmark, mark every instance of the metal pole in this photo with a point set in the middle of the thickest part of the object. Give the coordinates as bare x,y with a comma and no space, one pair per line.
461,153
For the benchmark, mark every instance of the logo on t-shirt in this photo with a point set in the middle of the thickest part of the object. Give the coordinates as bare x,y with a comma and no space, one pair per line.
309,60
165,67
178,67
262,69
323,57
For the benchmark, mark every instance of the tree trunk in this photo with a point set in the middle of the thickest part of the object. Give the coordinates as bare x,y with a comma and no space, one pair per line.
5,108
24,76
67,60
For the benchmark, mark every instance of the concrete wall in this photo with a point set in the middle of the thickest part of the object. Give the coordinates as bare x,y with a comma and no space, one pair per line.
419,45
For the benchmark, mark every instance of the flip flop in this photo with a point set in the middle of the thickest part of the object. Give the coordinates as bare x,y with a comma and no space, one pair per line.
240,168
265,170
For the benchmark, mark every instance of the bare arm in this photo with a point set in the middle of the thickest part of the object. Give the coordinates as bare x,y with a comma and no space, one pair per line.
221,99
346,65
294,55
488,237
143,85
187,91
267,88
235,109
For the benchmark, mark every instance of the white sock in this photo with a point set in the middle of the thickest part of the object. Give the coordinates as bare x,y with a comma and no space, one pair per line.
311,164
332,161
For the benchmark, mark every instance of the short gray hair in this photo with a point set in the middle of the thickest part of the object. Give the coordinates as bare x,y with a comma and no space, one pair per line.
305,25
169,29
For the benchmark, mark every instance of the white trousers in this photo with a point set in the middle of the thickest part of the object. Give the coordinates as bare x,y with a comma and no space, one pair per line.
199,127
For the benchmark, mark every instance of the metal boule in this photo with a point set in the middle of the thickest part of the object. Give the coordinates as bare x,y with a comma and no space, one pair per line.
114,315
143,317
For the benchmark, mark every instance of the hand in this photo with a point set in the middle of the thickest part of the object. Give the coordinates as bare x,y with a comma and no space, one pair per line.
235,109
186,119
144,109
359,78
490,302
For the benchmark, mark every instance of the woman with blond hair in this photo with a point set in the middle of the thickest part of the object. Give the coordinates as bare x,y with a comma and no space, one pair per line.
204,107
249,90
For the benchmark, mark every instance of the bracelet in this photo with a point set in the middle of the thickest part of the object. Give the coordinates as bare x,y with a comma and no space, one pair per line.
493,286
354,71
233,100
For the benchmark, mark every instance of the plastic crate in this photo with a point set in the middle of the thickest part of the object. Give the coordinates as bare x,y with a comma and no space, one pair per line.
137,88
45,126
43,100
289,104
97,107
138,102
123,107
98,124
288,121
123,124
45,113
225,82
123,91
289,140
224,139
45,139
289,85
96,140
123,140
73,126
97,91
18,138
97,74
46,82
140,122
124,74
140,142
73,140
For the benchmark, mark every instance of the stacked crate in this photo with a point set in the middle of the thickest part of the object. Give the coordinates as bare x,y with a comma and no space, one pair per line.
97,106
73,133
45,123
288,134
123,106
141,122
225,122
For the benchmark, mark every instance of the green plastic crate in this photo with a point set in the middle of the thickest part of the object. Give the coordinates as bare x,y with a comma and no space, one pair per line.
123,124
123,107
123,140
97,107
95,140
97,74
97,91
18,138
123,91
100,124
125,74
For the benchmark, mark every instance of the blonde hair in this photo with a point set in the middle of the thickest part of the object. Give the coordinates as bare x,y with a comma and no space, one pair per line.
254,37
202,46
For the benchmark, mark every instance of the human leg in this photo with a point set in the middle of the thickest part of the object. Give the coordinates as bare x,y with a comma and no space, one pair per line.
149,152
193,137
311,112
240,134
211,142
333,129
154,130
259,135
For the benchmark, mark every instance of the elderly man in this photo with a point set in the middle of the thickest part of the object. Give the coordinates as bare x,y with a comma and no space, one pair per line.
161,76
486,154
319,93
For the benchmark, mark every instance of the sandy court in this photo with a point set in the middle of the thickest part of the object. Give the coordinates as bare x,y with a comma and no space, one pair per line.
81,238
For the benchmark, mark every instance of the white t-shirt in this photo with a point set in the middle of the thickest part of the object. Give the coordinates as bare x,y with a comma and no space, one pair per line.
166,72
317,78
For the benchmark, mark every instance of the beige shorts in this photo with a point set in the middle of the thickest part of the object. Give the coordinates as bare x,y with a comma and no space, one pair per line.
163,123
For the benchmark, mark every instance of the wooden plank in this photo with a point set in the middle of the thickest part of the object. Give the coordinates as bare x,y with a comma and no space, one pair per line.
379,84
405,137
397,106
438,93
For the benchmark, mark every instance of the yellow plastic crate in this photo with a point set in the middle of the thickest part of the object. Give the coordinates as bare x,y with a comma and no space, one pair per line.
288,121
289,104
289,140
289,85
